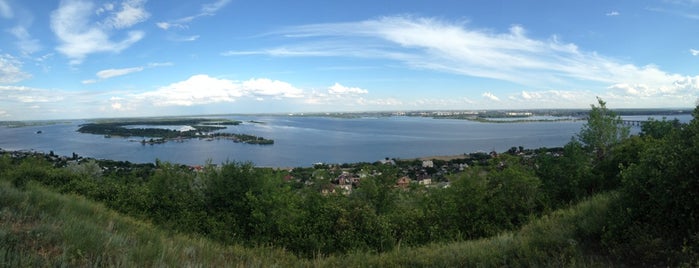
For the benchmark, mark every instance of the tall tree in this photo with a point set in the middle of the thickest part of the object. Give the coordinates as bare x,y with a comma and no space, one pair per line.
603,129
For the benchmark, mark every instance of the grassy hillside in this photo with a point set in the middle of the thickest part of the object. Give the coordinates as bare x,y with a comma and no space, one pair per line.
39,227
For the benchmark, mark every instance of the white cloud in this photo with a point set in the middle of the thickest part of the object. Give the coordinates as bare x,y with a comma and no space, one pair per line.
273,88
20,94
37,103
380,103
198,89
5,10
203,89
490,96
528,99
209,9
131,13
339,89
694,52
633,90
612,14
433,44
10,70
163,25
26,43
186,38
79,36
109,73
212,8
107,7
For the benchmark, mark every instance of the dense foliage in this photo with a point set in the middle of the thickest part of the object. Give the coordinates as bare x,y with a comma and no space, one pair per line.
653,177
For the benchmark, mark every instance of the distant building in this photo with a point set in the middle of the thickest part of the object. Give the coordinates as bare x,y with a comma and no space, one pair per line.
518,114
387,161
403,182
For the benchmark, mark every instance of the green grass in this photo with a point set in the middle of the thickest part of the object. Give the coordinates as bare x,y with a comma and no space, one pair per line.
565,238
39,228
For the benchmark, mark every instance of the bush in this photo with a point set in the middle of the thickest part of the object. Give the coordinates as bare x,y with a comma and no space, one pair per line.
656,221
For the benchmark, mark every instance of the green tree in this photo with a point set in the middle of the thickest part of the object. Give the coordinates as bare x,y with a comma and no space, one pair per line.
656,221
565,178
602,130
659,128
514,193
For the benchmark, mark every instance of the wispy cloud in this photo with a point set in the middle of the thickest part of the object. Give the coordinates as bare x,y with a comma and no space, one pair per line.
209,9
131,13
429,43
79,36
27,95
5,10
612,13
694,52
11,70
110,73
681,12
25,42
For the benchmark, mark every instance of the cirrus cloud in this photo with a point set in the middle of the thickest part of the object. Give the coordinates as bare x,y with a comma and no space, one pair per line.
5,10
457,48
80,36
11,70
209,9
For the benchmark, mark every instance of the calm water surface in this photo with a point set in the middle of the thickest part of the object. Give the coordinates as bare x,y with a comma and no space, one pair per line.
302,141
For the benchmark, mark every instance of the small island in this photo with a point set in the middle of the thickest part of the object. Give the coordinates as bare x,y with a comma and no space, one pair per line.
159,130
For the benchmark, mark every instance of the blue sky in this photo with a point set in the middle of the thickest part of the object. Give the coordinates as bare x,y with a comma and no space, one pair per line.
87,59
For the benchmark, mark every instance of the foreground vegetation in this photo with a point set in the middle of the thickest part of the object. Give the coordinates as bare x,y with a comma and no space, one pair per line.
42,228
607,199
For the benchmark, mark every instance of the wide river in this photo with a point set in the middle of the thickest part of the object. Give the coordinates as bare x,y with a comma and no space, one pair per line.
302,141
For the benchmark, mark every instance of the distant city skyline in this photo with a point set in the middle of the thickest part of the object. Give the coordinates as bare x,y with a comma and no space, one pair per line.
89,59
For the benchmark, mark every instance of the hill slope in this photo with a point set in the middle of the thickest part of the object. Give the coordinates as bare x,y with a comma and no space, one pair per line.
39,227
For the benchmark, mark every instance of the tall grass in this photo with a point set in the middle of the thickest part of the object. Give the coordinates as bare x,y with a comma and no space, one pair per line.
42,228
565,238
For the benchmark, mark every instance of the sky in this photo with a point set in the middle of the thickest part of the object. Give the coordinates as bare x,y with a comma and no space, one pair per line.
94,59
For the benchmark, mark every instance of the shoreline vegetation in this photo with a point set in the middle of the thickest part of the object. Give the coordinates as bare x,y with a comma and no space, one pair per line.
159,132
498,116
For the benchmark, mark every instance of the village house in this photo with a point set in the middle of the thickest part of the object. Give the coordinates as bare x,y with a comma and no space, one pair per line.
403,182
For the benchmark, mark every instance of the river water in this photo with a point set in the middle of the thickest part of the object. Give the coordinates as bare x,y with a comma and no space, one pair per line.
302,141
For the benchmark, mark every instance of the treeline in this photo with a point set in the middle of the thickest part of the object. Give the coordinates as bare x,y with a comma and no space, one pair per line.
114,129
201,128
653,220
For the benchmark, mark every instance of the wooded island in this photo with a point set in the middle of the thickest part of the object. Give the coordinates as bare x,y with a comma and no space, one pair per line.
157,132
